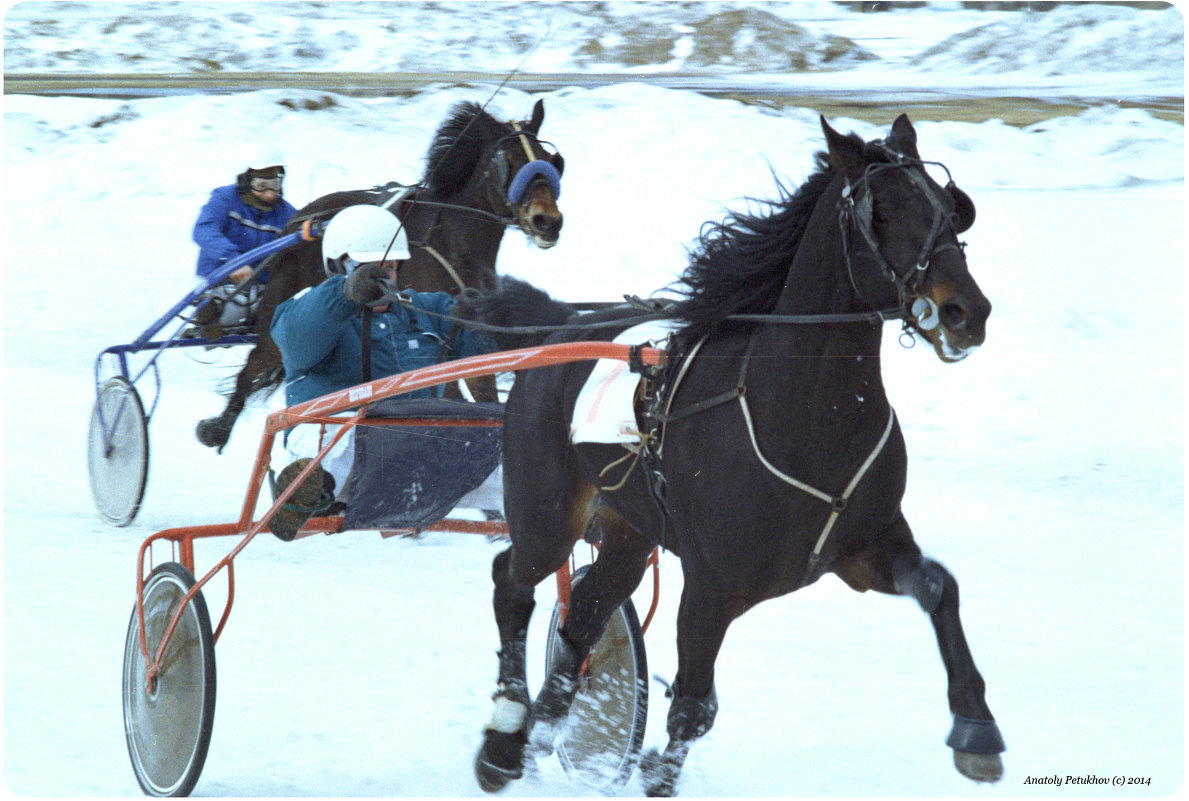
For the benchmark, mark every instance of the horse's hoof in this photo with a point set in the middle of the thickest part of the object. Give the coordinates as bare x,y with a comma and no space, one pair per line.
499,760
213,433
979,767
657,777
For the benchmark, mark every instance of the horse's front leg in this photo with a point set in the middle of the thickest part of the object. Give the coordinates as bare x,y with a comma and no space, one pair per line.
702,622
894,564
975,737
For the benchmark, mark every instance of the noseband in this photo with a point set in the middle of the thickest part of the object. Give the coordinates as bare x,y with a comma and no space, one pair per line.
855,209
515,191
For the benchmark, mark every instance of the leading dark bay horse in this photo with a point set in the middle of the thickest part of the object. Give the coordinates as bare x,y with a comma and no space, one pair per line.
481,177
770,456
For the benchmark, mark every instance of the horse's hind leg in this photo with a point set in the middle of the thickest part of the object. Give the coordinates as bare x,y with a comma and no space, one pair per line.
615,574
263,360
539,547
499,759
894,564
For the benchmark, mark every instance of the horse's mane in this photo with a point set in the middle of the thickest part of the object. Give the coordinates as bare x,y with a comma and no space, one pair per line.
457,147
739,265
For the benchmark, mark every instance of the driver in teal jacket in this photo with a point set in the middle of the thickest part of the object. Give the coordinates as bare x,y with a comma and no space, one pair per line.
320,334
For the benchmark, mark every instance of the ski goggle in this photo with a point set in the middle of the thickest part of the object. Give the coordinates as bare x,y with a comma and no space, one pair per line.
262,184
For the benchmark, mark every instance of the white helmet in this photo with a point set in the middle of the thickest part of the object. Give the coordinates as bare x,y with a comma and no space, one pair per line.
257,157
364,233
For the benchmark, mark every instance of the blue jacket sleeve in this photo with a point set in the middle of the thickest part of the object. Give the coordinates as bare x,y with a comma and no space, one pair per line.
307,326
466,342
209,236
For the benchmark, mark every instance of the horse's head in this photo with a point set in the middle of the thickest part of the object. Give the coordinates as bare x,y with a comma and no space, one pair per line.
900,221
530,179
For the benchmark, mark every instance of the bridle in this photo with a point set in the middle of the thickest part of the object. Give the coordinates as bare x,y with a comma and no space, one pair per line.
855,209
512,192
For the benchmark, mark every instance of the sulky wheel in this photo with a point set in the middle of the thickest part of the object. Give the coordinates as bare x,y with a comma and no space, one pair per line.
168,724
118,463
606,726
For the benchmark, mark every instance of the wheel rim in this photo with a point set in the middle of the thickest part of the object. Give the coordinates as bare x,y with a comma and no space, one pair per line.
168,726
118,474
605,730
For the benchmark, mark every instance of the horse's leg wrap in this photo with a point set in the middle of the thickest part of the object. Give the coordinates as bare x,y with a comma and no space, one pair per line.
690,717
921,578
500,758
512,688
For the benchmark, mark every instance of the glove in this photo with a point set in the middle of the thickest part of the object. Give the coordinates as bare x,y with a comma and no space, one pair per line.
367,284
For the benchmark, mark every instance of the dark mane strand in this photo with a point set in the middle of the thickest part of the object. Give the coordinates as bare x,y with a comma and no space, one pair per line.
740,264
457,147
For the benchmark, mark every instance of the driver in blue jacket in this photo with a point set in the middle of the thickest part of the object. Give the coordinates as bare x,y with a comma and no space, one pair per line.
237,218
320,334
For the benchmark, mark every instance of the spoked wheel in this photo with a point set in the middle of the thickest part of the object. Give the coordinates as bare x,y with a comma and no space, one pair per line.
602,742
118,463
168,724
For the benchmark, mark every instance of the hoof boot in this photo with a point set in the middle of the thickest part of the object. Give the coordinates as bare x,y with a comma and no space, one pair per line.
499,760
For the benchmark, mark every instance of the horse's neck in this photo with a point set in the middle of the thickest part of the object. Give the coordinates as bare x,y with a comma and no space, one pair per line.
823,365
469,242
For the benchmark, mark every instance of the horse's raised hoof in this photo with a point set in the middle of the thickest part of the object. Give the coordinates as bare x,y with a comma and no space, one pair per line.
657,775
213,433
977,745
499,760
986,768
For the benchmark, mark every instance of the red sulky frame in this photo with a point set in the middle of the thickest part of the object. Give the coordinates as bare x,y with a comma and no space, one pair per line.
322,410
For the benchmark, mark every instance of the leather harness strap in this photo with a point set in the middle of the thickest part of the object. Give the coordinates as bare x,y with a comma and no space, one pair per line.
446,265
838,503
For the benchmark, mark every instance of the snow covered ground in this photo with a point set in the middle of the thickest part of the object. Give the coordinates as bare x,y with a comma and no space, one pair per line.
1046,471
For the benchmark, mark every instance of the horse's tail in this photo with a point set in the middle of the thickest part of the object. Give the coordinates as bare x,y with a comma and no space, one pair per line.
514,304
261,386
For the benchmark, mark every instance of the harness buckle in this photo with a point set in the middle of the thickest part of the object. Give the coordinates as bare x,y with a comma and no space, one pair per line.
636,363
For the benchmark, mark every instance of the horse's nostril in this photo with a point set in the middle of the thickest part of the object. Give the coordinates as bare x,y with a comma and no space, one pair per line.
546,223
953,316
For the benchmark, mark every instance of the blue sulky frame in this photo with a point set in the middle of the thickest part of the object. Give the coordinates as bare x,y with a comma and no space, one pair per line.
120,421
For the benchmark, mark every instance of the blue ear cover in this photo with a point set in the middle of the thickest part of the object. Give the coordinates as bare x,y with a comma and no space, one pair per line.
530,171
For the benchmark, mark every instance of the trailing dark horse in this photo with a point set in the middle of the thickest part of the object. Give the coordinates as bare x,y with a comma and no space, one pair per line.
771,454
481,176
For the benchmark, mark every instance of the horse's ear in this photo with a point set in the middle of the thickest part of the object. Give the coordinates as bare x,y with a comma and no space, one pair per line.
534,124
963,208
845,152
558,162
904,137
